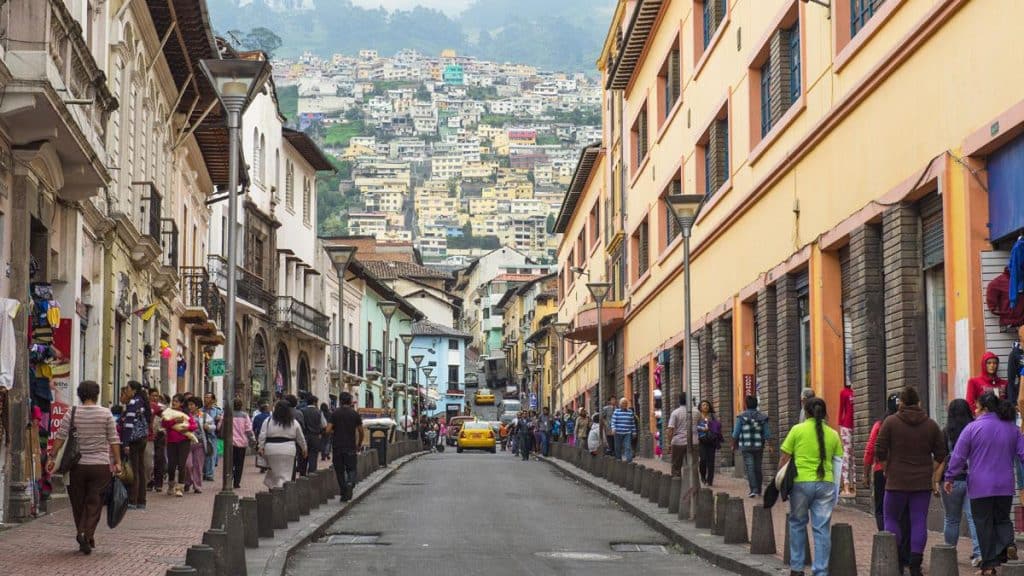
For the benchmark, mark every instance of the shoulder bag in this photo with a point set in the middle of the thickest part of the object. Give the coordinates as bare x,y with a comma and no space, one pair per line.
69,453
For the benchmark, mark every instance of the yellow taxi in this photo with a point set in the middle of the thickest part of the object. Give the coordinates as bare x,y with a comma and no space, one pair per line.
483,396
476,436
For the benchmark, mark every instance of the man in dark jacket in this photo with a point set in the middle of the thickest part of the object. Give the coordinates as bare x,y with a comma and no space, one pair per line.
750,435
313,424
911,449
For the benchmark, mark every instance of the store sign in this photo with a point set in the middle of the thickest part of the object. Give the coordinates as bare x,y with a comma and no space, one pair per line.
217,367
748,385
58,411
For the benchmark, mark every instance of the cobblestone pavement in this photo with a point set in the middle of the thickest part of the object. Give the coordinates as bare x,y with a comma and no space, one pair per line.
146,542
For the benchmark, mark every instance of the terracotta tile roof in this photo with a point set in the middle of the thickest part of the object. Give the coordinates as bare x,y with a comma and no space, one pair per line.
516,277
390,270
428,328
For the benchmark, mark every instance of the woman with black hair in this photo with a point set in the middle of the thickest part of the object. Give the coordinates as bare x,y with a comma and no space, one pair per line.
911,449
811,445
135,422
956,504
876,479
709,438
990,444
278,437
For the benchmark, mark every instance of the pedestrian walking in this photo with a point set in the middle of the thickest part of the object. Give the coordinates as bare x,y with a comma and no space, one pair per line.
811,445
876,480
751,434
545,426
988,380
213,414
158,437
709,437
989,444
911,449
257,424
955,504
135,423
570,428
624,424
525,436
594,436
277,444
681,433
198,450
181,429
313,425
327,440
241,437
582,427
608,431
346,430
100,448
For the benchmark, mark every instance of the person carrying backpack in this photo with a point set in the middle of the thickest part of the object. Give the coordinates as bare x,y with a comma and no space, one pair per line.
751,435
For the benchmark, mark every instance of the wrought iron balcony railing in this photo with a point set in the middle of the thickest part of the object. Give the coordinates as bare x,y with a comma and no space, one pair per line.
301,316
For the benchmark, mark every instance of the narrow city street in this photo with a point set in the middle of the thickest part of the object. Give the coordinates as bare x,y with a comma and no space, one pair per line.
481,514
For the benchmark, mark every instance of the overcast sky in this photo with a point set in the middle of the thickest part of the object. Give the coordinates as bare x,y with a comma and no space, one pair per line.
451,7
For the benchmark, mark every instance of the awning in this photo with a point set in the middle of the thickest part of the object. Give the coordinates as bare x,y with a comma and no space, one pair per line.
584,326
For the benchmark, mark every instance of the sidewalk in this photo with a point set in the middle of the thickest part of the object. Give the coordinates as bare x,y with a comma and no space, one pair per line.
863,524
146,543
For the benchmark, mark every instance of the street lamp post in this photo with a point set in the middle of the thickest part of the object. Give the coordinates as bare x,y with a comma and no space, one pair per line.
599,291
427,371
541,349
235,82
417,359
407,341
387,308
341,257
685,207
559,329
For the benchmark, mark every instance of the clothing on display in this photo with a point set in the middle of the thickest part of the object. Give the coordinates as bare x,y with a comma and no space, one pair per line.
1016,271
1014,370
997,299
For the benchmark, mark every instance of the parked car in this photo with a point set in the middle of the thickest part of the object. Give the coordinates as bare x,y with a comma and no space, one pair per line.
477,436
455,426
483,396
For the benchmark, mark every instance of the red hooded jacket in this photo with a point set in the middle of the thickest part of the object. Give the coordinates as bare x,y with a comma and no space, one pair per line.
980,384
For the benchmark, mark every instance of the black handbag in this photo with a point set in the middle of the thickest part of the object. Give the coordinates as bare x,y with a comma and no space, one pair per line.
69,454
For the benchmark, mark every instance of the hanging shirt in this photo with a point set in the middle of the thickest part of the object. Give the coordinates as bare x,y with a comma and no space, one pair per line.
8,347
1016,271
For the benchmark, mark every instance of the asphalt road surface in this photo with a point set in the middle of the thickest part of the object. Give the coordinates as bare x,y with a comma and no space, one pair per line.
481,514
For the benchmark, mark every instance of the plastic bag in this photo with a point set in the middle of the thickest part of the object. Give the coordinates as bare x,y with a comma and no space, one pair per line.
117,502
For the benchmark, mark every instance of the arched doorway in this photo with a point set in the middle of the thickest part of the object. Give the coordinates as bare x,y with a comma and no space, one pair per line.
258,370
282,379
303,375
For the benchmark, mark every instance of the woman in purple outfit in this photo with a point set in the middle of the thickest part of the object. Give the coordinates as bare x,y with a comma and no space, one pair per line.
991,444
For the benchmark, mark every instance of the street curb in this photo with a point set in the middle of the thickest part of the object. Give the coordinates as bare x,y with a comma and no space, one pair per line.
729,557
278,561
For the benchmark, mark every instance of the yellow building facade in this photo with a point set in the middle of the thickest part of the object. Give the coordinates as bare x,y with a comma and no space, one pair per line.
857,163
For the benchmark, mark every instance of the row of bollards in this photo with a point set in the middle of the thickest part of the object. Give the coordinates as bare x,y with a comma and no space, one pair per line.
257,517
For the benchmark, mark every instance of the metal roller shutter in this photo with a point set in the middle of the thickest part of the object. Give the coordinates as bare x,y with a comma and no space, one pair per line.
932,240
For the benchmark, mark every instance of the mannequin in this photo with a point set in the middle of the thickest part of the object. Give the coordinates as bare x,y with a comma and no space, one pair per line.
849,479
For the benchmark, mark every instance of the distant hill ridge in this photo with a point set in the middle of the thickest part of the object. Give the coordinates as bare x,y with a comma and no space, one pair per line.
553,34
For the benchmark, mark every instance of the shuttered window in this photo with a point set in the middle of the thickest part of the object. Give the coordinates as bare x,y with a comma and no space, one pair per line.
932,242
643,243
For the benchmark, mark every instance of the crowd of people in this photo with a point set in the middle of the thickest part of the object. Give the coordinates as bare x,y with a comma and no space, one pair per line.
150,440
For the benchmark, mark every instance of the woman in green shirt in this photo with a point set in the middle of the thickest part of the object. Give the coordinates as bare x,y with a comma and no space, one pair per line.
811,445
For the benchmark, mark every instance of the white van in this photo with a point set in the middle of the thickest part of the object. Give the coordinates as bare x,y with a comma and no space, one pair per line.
513,406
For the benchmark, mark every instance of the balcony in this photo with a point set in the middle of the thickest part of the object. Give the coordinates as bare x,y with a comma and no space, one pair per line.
167,278
51,65
374,364
353,362
301,318
250,286
143,210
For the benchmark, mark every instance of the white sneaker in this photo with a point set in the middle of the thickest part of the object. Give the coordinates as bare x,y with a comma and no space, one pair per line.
976,561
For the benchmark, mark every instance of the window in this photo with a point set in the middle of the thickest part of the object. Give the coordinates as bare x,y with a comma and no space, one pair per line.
803,305
860,12
581,248
641,247
766,98
289,185
307,193
713,13
256,152
669,82
639,137
593,224
453,343
671,229
487,312
453,377
778,67
714,146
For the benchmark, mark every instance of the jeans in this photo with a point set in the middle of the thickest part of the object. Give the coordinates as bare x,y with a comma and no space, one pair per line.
954,504
995,530
752,466
814,499
915,505
524,445
237,464
210,460
345,471
624,447
545,443
707,463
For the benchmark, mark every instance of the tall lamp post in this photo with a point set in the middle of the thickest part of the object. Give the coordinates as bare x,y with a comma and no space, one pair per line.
387,309
417,359
236,82
599,291
427,371
341,257
541,349
407,341
685,207
559,329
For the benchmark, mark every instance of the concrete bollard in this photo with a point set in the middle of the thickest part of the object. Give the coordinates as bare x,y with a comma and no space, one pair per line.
181,571
280,511
630,473
202,558
306,501
655,494
291,501
885,559
217,539
1014,568
687,496
331,482
843,559
674,485
704,509
645,482
944,561
734,527
250,521
234,553
322,478
762,532
664,490
807,546
721,501
264,515
638,478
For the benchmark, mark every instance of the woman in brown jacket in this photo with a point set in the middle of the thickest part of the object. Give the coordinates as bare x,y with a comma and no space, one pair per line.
911,449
